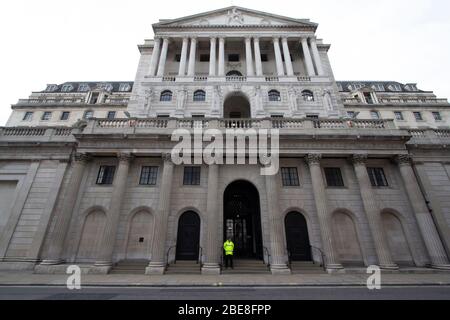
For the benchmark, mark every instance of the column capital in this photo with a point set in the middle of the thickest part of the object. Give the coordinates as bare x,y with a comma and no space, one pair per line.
304,39
284,38
248,38
276,39
212,38
256,38
124,157
193,38
360,159
313,158
82,157
167,157
157,38
403,160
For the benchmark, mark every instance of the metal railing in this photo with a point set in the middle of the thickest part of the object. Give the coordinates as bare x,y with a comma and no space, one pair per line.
322,255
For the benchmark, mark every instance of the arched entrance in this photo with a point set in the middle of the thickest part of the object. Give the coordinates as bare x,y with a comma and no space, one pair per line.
242,219
236,106
140,236
297,237
188,236
91,236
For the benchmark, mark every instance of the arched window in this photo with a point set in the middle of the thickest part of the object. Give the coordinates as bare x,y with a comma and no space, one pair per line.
274,95
199,95
166,96
307,95
234,73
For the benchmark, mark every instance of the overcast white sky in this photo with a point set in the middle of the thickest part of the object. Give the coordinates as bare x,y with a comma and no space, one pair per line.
53,41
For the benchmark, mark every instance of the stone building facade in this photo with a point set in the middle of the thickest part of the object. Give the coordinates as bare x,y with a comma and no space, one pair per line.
86,175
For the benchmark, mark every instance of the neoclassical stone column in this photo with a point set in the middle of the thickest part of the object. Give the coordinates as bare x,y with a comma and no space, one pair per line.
221,57
278,249
287,57
155,56
212,57
278,60
373,212
64,215
157,264
183,59
316,56
324,216
192,56
248,57
211,265
427,227
163,58
307,55
104,262
259,70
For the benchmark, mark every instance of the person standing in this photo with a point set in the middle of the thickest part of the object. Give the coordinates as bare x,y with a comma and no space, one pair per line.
228,246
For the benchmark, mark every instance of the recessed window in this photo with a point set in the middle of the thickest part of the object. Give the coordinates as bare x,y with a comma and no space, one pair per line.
264,57
106,86
204,58
83,87
178,57
191,176
399,116
377,177
368,97
334,177
124,87
351,114
47,115
395,87
94,98
374,115
67,88
378,87
51,88
289,177
149,175
418,116
65,115
28,116
88,114
106,175
233,58
166,96
307,95
111,115
274,95
437,116
199,95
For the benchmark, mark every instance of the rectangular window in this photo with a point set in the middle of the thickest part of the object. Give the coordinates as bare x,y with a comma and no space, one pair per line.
368,97
399,116
418,116
289,177
191,176
437,116
334,177
149,175
233,58
106,175
375,115
94,98
377,177
178,57
264,57
88,114
47,115
351,114
204,58
65,115
111,115
28,116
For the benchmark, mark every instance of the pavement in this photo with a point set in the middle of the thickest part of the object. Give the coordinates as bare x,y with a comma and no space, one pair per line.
28,278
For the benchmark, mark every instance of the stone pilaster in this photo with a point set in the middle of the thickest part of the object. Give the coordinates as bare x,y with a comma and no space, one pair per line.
212,57
163,58
211,265
316,56
278,60
373,213
324,216
155,57
307,55
258,62
287,57
221,57
248,57
183,59
157,264
104,263
64,215
192,57
426,224
278,249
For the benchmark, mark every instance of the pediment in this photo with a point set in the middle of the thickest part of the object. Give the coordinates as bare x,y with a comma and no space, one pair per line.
235,17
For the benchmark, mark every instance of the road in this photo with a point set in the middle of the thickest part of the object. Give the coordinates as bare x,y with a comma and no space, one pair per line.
227,293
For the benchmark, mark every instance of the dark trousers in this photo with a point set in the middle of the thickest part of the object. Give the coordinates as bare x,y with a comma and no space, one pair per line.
228,261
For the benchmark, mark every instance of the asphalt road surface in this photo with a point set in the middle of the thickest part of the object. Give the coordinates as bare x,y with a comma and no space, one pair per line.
227,293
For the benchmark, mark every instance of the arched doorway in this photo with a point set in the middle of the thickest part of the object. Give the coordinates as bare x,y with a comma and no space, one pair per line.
297,237
188,236
140,236
345,237
91,236
397,242
236,106
242,219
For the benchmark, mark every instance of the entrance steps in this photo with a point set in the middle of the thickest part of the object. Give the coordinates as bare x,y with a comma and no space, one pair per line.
306,267
247,267
129,267
184,267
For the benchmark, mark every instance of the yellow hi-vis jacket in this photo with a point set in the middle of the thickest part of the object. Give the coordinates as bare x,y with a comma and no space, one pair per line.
228,246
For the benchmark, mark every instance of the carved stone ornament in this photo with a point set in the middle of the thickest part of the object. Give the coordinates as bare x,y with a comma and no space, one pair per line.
313,159
81,157
359,159
124,157
235,16
167,157
403,160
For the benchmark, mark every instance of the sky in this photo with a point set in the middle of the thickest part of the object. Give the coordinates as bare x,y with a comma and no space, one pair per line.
54,41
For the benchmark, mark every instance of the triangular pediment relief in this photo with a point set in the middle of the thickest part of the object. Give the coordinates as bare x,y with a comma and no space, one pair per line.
234,16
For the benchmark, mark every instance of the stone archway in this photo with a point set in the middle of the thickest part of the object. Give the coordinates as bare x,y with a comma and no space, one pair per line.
140,236
396,238
188,236
91,236
236,106
297,237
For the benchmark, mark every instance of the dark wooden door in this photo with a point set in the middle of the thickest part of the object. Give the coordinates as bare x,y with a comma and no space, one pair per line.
188,238
297,237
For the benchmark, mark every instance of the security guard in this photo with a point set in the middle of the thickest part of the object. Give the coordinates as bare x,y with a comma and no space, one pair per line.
228,246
